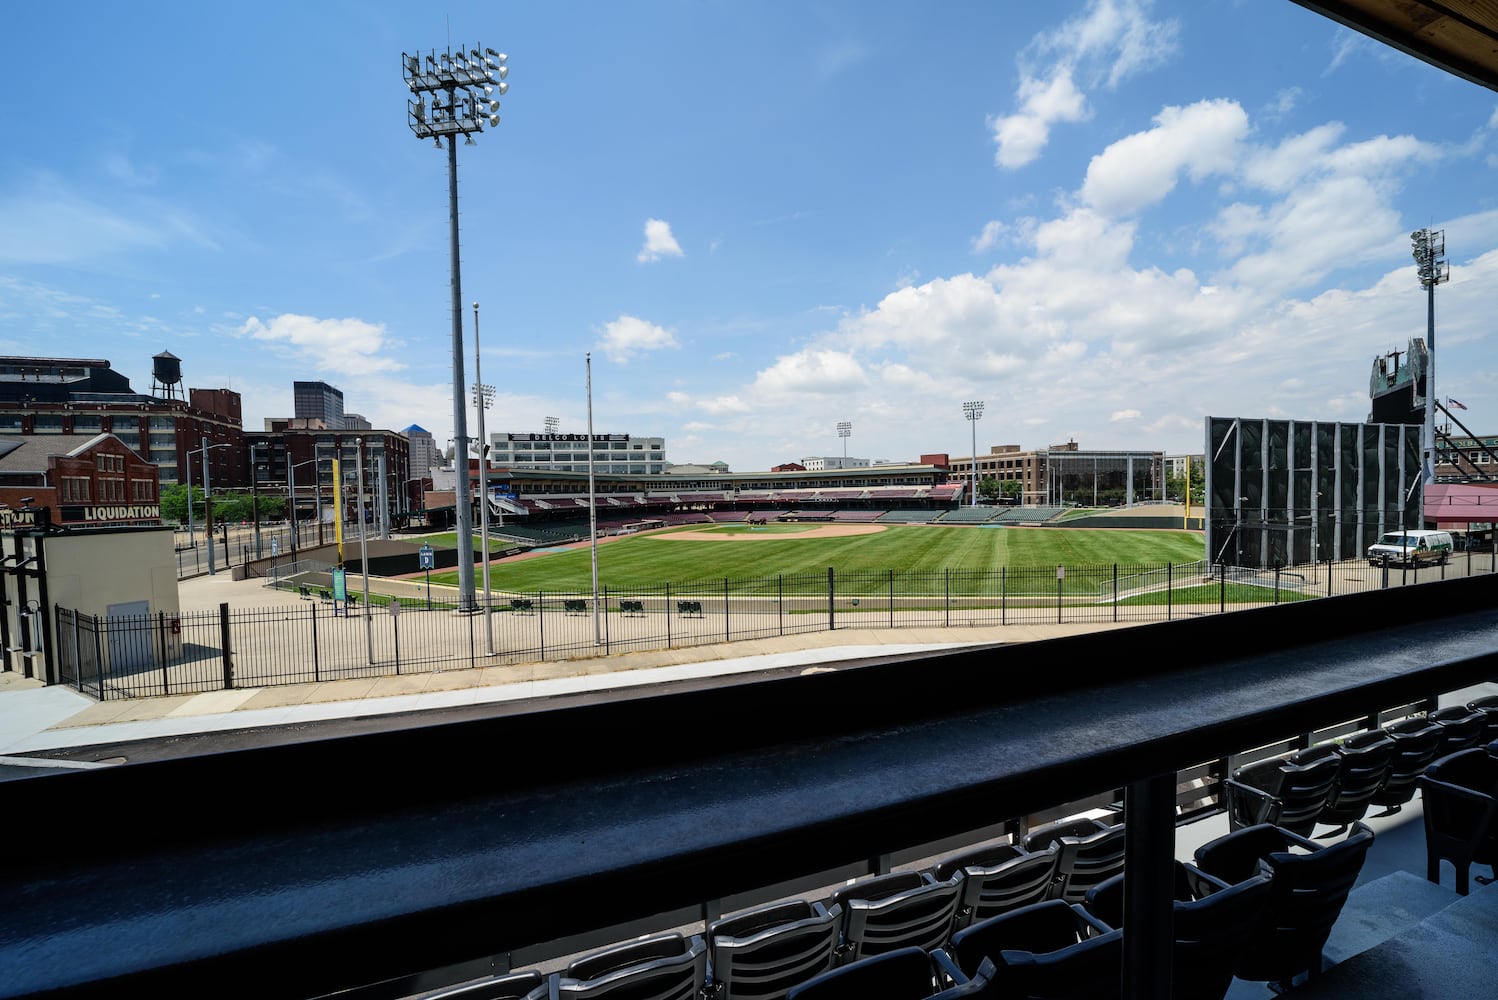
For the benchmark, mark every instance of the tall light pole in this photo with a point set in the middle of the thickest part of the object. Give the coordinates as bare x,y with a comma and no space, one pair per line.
551,424
592,502
468,82
483,395
255,498
973,411
844,428
192,542
364,552
1429,251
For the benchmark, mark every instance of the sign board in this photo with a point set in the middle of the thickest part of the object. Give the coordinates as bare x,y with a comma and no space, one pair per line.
340,585
1061,572
395,607
275,546
426,557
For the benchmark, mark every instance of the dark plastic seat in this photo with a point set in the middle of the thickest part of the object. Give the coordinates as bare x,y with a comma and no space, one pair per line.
1366,759
1488,706
665,967
1288,792
1046,951
902,974
1212,922
1461,728
1087,852
1309,883
893,911
1457,794
999,878
1415,744
529,985
764,953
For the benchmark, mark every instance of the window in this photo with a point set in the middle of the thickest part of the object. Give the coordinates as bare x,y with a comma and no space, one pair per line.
140,489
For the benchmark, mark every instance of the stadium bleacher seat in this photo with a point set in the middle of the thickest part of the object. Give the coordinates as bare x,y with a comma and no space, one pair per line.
998,878
764,953
898,910
664,967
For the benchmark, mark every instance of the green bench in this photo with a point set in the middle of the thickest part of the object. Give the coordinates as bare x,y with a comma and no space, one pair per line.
632,608
689,609
576,607
522,605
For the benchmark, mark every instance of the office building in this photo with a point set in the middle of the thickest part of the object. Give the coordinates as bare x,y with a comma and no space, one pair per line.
318,401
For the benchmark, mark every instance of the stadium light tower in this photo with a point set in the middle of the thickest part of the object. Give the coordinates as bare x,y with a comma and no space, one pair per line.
974,412
1429,250
463,88
844,428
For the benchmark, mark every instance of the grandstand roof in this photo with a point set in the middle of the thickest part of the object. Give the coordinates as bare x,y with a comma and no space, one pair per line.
1459,38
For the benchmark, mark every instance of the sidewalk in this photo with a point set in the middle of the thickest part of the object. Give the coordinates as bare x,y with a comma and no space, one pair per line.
35,718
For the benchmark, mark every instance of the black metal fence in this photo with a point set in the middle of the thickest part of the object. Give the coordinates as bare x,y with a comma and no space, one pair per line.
313,637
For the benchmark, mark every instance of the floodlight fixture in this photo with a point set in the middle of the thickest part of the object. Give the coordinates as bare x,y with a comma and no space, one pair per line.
973,411
1428,247
844,428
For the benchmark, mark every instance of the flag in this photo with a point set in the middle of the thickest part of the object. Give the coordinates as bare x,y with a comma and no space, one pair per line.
1455,403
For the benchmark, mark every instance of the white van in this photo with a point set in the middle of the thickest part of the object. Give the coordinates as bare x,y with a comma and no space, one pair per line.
1411,548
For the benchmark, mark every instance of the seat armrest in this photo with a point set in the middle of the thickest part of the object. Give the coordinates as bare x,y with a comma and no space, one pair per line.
1089,925
947,968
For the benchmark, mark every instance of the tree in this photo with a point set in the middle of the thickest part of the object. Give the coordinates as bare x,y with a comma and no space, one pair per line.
174,503
988,486
1011,488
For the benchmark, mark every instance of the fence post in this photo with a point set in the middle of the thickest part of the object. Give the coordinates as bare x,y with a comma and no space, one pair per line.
1115,592
1003,595
725,610
541,619
780,601
668,614
98,658
891,598
223,630
1328,576
316,664
1277,587
831,590
1170,591
161,648
946,600
605,619
1222,589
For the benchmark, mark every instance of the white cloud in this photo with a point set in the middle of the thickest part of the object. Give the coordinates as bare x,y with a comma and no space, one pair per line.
350,346
1141,169
1023,135
658,242
1121,415
627,336
989,238
1108,42
812,371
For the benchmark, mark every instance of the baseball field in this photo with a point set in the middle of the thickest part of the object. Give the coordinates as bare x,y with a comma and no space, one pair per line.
741,552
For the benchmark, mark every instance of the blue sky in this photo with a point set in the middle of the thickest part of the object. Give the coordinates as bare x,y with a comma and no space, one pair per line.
1106,220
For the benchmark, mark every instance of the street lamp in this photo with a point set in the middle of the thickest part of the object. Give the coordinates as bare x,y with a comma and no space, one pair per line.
462,88
255,498
844,428
973,411
1429,251
208,504
483,396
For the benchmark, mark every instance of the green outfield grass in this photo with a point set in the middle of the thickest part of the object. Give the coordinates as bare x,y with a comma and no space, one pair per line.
653,559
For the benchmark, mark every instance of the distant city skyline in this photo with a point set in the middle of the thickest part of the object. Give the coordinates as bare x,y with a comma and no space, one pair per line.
1105,219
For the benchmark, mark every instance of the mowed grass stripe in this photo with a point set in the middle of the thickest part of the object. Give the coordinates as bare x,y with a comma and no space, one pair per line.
654,559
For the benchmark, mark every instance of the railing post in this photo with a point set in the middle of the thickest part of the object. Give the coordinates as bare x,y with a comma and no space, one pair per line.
1170,591
668,614
161,650
892,598
316,665
1003,595
780,602
1222,588
606,619
831,590
98,657
540,619
946,600
1115,592
223,631
1060,580
725,610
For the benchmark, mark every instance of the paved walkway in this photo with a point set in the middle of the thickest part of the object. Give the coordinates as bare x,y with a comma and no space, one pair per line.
35,718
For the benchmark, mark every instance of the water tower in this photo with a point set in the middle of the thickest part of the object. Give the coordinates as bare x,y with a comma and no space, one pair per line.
166,376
